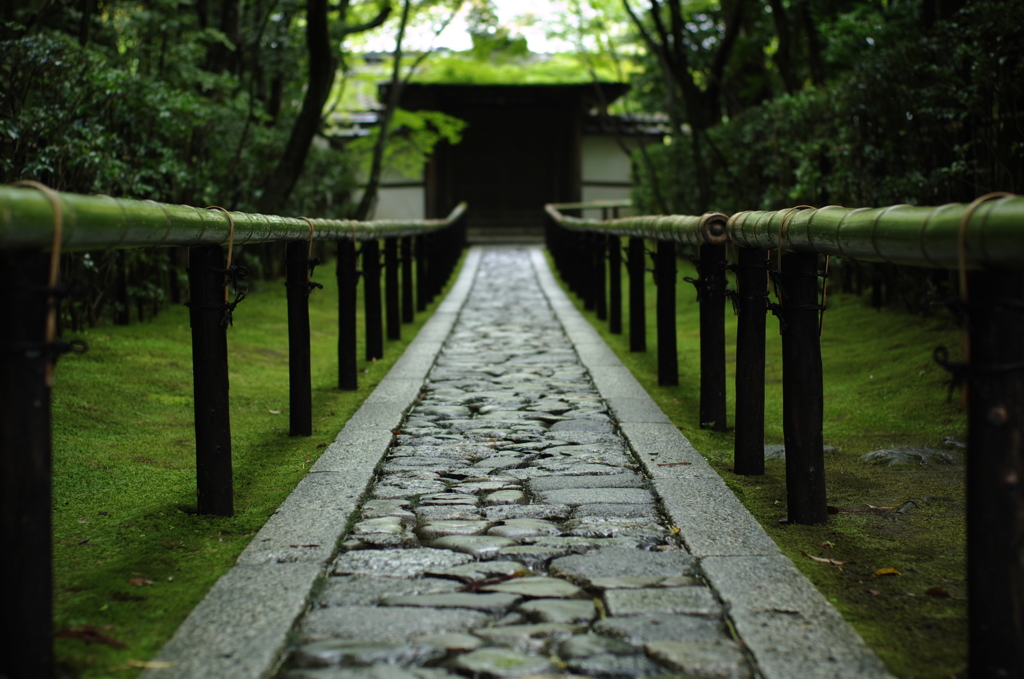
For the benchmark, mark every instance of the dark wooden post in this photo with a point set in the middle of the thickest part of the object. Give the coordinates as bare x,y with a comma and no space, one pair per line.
435,270
124,314
393,312
207,315
422,275
877,293
26,570
995,474
712,337
372,317
752,281
300,388
802,398
600,285
614,285
665,278
586,278
637,262
348,279
408,303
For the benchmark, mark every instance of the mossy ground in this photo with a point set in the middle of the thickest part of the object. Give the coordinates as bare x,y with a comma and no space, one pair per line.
131,556
882,389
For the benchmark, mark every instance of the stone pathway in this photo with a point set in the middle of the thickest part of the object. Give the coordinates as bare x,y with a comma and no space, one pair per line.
509,532
536,514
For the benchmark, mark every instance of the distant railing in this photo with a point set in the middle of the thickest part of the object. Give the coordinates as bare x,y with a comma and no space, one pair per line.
37,224
983,241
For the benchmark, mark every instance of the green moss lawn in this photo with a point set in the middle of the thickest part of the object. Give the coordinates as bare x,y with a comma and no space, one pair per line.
131,556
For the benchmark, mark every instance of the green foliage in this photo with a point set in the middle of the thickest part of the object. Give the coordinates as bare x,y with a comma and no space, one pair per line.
324,186
155,103
879,132
413,136
463,68
492,41
158,105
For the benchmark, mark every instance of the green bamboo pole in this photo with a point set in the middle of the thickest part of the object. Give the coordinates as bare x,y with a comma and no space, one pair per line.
708,228
900,234
26,223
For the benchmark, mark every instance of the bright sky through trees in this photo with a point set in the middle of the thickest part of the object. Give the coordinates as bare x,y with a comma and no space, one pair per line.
529,18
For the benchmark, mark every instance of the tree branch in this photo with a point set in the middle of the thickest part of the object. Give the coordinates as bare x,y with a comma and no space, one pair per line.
394,92
378,20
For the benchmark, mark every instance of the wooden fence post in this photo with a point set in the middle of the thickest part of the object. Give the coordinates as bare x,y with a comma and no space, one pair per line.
391,306
408,303
26,569
435,268
615,285
599,283
665,278
348,279
371,300
712,337
422,275
637,264
123,316
995,474
209,320
585,270
300,388
802,397
752,283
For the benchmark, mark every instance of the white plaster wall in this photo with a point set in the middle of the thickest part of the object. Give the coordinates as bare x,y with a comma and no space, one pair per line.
400,202
607,193
604,161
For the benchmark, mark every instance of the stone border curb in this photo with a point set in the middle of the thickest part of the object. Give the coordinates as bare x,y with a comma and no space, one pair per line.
788,626
240,628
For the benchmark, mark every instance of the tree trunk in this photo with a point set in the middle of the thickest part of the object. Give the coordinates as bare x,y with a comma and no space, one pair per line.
394,93
220,57
814,59
784,56
282,180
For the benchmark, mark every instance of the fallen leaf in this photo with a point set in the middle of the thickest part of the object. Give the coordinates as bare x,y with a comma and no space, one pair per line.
674,530
672,464
873,592
150,664
90,635
139,582
938,592
820,559
886,571
275,412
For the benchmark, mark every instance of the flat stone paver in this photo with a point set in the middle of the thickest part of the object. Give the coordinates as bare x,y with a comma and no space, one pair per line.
527,519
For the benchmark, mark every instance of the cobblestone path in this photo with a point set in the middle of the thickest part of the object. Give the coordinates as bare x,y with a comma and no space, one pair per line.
509,532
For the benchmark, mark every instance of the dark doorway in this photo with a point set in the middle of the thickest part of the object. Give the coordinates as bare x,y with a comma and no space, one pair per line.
520,150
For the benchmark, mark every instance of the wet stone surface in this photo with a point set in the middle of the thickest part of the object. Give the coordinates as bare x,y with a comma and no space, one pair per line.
509,534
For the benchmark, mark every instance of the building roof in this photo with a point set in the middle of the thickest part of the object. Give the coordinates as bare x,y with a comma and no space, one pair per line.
442,96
